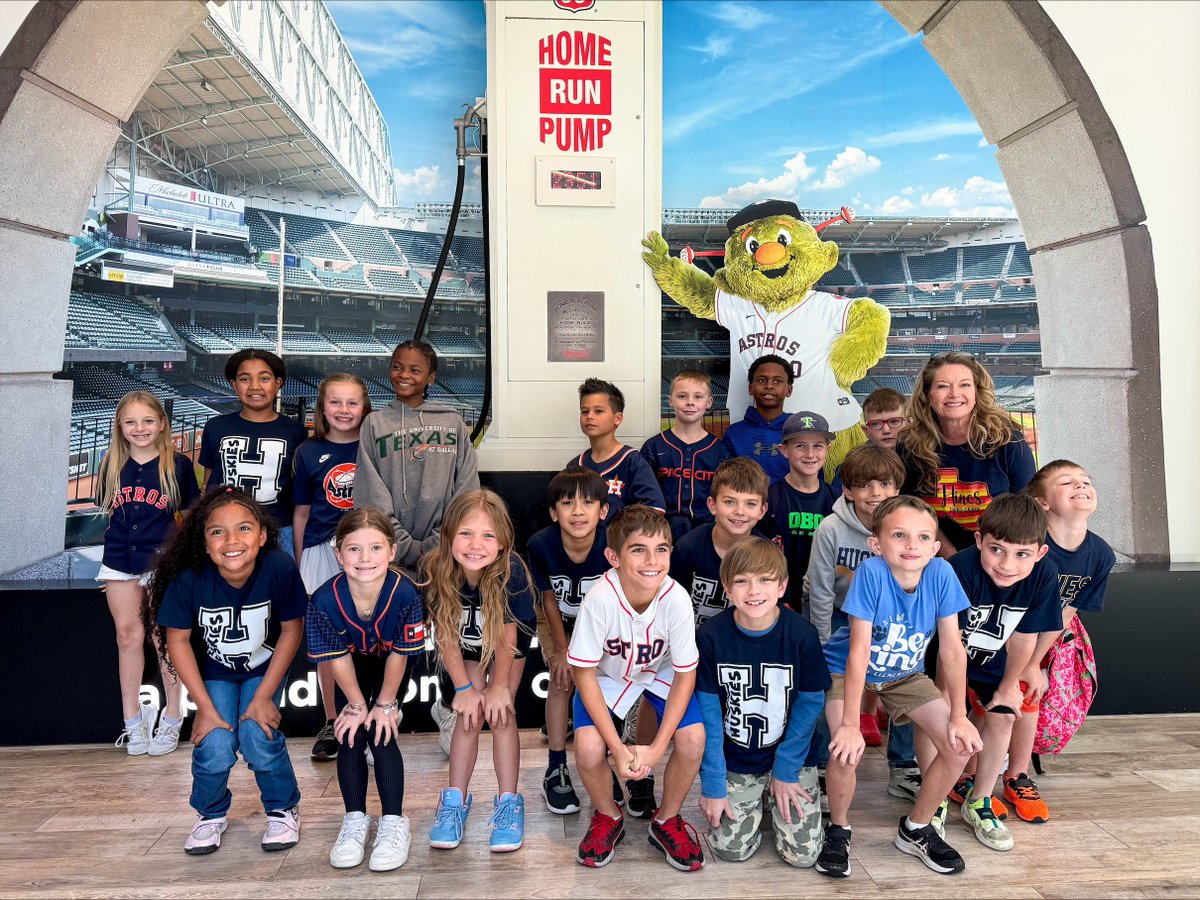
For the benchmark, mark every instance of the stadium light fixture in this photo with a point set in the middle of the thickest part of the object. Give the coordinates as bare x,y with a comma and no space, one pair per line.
205,85
204,120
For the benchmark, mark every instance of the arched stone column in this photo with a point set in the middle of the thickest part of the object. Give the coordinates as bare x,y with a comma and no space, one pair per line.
1073,188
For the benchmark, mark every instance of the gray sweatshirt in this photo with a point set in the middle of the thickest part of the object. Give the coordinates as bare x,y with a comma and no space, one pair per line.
839,545
411,464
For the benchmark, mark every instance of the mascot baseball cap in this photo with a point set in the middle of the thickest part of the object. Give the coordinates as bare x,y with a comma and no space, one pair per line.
761,209
805,422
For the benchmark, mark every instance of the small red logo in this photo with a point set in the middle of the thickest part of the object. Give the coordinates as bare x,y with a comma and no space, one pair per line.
574,6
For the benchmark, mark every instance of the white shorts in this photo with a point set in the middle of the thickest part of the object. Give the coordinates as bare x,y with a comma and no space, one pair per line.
317,565
109,574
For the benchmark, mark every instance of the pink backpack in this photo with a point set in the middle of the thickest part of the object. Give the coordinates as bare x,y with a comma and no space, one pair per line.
1073,686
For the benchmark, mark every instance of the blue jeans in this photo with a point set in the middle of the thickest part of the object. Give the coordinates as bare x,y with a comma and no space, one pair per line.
216,755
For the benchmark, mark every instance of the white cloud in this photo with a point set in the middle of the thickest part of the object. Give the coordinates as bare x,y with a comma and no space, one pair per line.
942,198
784,186
737,15
715,47
423,181
908,191
895,206
985,189
983,142
977,197
923,132
941,157
851,163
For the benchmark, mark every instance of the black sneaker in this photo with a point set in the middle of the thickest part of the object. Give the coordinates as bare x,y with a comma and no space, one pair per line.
925,844
560,795
618,794
641,803
834,860
326,745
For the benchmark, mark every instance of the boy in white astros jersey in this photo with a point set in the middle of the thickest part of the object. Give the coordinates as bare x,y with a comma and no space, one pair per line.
634,636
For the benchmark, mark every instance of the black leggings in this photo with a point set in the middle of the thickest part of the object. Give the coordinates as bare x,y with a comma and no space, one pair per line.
352,761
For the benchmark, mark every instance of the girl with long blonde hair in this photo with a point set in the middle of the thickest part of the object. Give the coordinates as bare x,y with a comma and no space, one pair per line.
480,604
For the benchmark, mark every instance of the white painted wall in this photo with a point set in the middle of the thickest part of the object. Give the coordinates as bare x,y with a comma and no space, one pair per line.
1141,56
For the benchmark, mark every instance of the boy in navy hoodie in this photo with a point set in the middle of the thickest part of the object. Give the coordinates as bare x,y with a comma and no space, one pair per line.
760,434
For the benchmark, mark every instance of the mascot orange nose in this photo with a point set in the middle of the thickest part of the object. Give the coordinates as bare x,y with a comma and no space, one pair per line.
769,254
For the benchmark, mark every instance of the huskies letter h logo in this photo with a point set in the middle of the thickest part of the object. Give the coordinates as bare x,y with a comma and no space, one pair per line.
747,703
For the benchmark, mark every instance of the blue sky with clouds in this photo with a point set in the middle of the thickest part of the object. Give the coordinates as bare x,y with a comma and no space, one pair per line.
826,103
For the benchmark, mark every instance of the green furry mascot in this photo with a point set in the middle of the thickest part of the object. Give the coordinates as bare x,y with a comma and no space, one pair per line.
763,296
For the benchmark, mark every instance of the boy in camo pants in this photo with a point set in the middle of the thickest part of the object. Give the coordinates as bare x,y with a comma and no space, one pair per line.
760,686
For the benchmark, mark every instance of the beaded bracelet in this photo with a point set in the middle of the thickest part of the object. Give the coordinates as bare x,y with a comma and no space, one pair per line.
354,709
465,687
388,707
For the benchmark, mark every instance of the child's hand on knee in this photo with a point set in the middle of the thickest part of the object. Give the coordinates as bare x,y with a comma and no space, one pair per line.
847,745
263,712
206,721
348,721
469,706
786,795
385,720
714,809
963,736
498,705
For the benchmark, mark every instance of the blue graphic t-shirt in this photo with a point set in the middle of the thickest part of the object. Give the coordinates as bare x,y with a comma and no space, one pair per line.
237,627
1082,572
629,478
325,482
1030,606
254,456
553,570
902,624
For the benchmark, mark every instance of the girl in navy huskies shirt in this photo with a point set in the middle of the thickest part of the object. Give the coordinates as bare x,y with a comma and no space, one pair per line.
142,486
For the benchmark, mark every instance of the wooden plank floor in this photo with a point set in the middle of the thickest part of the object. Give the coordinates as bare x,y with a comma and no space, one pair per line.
93,822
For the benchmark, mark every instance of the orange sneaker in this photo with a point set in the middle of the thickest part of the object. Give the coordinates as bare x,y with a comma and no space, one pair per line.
962,790
870,730
1023,794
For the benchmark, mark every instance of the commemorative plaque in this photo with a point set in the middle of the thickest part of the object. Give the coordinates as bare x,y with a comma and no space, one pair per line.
575,322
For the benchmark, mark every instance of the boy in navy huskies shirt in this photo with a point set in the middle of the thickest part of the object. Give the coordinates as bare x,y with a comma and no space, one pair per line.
685,457
761,686
629,477
253,449
565,560
1014,599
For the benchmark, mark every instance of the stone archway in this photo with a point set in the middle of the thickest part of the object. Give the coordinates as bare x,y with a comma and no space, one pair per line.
75,70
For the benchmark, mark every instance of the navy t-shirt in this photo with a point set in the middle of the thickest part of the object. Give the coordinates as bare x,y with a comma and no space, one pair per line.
757,677
697,567
629,478
520,610
1030,606
324,481
553,570
142,517
1082,572
967,485
256,457
238,627
794,519
334,627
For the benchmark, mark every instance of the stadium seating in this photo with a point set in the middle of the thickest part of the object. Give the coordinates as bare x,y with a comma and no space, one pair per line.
111,321
1024,347
1020,262
688,348
892,297
454,343
264,229
421,248
939,267
206,340
879,268
451,289
310,237
979,292
1018,292
242,337
393,284
367,244
292,275
838,276
984,262
978,347
357,342
299,341
468,250
350,280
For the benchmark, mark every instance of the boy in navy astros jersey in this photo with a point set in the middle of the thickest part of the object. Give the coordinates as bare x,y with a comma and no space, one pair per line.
799,501
634,636
565,560
1013,592
253,449
685,457
1083,559
761,687
759,434
629,477
896,602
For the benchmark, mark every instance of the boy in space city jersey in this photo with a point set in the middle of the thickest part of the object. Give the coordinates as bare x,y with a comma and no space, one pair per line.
635,637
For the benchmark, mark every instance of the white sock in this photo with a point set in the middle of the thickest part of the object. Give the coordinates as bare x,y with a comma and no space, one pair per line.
170,720
135,721
913,826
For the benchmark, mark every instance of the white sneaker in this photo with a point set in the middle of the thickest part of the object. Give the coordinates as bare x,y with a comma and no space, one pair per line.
370,756
283,830
205,837
349,848
137,739
166,737
446,719
390,850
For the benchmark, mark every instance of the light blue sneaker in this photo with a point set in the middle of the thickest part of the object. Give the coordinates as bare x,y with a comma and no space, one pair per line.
508,823
447,830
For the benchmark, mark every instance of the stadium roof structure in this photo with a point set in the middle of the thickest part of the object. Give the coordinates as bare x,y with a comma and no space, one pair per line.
704,228
266,94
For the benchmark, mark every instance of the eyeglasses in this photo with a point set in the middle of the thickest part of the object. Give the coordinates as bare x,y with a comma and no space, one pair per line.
877,424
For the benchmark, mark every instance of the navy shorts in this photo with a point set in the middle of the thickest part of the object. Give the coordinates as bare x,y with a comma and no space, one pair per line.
691,715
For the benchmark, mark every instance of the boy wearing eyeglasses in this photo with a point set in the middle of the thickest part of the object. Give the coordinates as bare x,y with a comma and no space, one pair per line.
883,420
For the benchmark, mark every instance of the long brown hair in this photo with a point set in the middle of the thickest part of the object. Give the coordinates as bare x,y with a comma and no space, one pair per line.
443,579
990,429
320,423
108,479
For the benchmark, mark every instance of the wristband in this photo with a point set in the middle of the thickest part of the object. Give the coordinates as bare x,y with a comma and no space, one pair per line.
388,707
465,687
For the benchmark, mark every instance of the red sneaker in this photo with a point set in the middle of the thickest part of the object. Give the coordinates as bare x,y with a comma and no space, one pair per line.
881,718
598,845
679,843
870,730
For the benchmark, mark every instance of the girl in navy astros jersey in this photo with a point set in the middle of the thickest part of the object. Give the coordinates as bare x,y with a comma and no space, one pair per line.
142,485
229,607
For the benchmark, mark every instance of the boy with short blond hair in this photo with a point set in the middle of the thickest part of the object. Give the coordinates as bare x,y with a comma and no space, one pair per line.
629,477
897,601
761,687
1083,559
685,457
635,637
